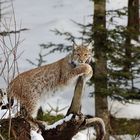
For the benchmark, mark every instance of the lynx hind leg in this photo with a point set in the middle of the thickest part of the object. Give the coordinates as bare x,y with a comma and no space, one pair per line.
29,109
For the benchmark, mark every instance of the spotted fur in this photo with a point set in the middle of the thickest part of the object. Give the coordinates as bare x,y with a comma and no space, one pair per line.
31,86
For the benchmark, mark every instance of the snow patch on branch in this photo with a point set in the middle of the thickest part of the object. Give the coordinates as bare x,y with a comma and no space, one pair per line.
53,126
36,136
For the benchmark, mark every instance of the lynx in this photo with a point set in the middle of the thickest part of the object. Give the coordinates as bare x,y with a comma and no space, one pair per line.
34,86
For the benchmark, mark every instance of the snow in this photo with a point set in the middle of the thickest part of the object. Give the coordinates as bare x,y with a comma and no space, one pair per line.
124,110
66,119
135,43
62,99
36,136
43,16
4,114
88,134
126,137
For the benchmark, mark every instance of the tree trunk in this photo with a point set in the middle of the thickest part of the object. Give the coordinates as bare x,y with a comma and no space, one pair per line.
100,73
132,31
133,18
75,106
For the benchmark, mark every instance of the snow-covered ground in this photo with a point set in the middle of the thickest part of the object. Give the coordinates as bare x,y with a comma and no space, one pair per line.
42,16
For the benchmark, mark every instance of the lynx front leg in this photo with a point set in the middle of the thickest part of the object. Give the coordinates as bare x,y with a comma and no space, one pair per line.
84,71
87,77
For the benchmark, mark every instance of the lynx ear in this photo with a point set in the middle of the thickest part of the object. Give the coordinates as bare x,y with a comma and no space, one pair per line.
90,46
75,46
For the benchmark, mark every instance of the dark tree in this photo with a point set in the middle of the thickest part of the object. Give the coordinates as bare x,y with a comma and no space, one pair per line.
132,33
100,74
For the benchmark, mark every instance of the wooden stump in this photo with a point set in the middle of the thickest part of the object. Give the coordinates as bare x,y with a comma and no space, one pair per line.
20,129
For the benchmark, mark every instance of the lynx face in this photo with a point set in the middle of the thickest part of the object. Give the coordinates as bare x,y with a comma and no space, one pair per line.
81,54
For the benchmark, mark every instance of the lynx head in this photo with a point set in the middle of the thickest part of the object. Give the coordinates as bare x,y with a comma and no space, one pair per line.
81,54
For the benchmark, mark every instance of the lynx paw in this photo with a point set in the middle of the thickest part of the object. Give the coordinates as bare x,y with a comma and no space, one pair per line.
87,69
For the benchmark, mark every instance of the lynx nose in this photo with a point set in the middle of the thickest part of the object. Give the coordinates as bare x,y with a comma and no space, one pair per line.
81,61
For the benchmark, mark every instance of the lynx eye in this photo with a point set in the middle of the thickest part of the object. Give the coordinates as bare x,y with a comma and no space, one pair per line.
78,54
86,54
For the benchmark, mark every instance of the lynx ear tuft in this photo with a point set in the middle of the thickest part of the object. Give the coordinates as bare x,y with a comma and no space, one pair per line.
74,46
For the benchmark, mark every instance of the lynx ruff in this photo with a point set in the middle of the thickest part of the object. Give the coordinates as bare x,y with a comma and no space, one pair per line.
31,87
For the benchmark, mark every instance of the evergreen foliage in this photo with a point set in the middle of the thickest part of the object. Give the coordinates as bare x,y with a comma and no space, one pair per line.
122,82
50,119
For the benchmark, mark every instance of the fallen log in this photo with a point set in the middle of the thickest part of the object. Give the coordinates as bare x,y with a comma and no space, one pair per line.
65,130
